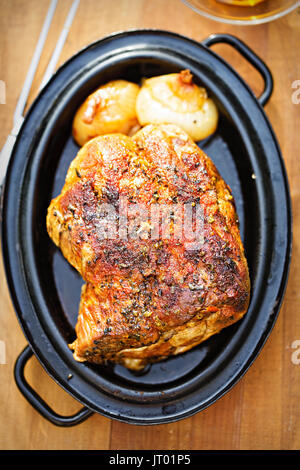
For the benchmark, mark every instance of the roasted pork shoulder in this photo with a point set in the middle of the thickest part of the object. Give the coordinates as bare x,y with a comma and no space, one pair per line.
152,228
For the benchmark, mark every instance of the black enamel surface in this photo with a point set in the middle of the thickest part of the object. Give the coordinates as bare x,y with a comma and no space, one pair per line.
46,290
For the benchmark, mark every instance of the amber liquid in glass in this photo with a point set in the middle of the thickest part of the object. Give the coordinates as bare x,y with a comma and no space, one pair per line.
247,3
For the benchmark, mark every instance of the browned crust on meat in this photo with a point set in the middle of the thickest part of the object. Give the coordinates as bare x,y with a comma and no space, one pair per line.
147,299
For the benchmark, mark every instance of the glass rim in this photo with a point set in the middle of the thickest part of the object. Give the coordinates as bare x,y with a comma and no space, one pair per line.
254,21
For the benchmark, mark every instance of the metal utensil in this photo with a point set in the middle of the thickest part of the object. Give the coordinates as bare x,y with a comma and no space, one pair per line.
19,111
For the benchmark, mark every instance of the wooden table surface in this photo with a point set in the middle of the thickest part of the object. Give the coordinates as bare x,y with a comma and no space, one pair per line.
262,411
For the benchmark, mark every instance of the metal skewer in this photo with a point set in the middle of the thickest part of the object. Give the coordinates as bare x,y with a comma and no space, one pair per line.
34,63
60,43
18,114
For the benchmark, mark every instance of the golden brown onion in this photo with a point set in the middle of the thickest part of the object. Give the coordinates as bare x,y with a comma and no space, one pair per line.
175,99
110,109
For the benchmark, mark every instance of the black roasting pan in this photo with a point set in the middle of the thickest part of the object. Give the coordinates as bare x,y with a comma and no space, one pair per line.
45,289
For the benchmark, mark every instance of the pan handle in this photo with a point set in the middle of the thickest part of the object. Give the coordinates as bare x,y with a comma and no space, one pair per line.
37,402
246,52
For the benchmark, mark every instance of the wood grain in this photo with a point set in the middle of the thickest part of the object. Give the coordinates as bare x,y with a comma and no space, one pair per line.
263,410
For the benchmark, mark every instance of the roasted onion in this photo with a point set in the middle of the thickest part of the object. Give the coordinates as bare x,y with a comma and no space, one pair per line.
109,109
175,99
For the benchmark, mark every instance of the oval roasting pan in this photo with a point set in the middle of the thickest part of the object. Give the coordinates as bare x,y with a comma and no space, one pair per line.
46,290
